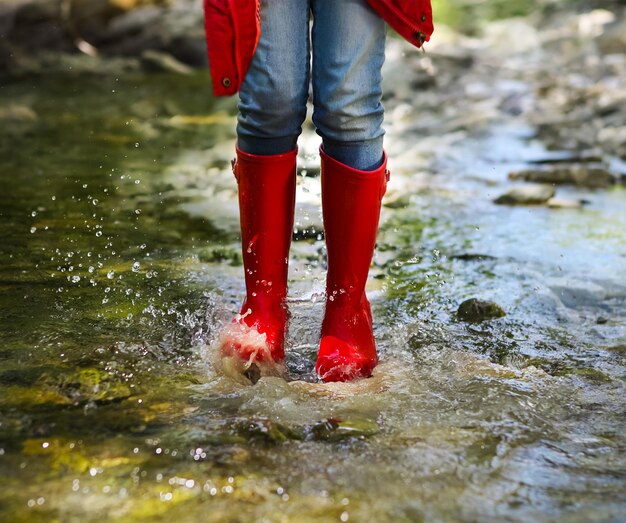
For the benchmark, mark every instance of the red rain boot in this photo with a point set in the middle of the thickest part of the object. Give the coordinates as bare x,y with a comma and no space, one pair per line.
267,186
351,204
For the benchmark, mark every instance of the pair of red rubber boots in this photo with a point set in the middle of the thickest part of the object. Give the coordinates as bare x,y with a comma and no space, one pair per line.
351,201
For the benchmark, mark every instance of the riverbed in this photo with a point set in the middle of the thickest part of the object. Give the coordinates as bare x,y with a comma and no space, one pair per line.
121,263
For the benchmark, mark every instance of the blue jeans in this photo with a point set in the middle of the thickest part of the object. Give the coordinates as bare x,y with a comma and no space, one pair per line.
348,44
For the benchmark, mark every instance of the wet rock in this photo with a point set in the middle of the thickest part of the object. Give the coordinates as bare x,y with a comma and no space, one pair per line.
618,349
334,429
87,386
590,374
78,63
568,157
264,430
133,22
176,28
584,175
38,25
12,114
400,202
515,35
613,39
159,62
17,120
472,257
219,254
475,310
526,195
562,203
612,136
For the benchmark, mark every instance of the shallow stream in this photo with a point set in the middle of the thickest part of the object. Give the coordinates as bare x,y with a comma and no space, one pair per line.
120,262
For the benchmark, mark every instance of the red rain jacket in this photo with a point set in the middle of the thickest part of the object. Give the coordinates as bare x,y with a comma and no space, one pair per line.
233,28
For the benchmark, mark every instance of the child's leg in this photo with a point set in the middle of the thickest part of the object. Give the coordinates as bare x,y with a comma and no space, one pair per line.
348,53
272,108
273,96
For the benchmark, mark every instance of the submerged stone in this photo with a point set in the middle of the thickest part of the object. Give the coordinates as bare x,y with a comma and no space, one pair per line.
264,430
221,254
87,386
401,202
561,203
526,195
334,429
470,256
475,310
585,175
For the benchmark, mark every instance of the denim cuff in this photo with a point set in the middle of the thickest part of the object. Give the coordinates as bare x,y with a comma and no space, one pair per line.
365,155
266,146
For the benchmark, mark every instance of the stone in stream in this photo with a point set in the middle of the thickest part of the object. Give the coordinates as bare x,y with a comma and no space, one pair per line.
10,114
593,175
562,203
613,38
265,431
470,256
526,195
475,310
333,429
89,385
159,62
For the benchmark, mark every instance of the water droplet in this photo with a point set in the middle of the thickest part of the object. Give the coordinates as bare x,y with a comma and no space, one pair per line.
110,274
33,229
135,267
98,234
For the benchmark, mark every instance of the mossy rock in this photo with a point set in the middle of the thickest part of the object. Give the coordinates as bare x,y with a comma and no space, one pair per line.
266,431
221,254
87,385
335,429
475,310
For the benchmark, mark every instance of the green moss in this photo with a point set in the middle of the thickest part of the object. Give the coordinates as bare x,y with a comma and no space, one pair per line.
87,385
218,254
335,429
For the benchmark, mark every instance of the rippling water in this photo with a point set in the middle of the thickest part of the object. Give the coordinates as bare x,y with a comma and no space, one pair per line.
120,264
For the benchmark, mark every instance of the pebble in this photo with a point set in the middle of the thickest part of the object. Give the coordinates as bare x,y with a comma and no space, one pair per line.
475,310
526,195
584,175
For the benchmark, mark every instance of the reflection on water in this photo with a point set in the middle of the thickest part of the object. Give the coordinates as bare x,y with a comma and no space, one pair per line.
121,264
